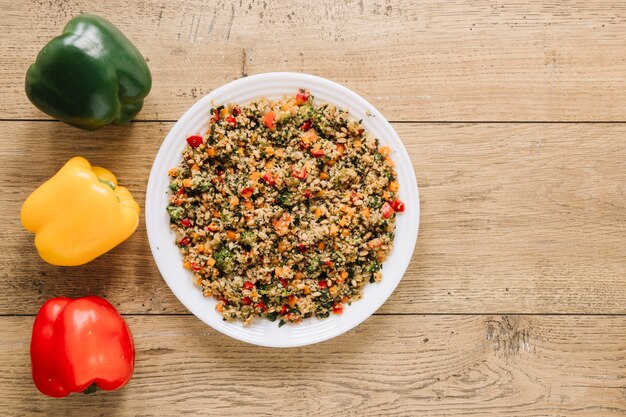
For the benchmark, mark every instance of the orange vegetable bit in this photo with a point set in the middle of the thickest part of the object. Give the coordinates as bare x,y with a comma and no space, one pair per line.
269,120
385,150
292,300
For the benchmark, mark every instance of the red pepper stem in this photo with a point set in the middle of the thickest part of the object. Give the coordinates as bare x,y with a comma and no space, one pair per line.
91,389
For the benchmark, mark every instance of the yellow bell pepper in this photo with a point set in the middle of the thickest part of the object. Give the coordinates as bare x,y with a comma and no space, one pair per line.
79,214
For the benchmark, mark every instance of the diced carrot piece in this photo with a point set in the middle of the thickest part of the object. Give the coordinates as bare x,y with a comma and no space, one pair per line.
318,212
310,136
187,183
299,275
334,290
282,225
394,186
223,113
173,172
282,246
321,245
292,300
341,148
200,248
255,176
269,150
343,274
279,153
366,212
211,152
278,271
210,261
333,230
269,120
231,235
248,205
234,201
306,290
186,265
357,144
324,176
385,150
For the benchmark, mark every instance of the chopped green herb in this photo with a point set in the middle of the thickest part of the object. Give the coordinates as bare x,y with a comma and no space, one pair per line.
175,212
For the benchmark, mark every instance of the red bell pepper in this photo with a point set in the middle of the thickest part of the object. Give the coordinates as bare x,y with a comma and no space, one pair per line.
80,345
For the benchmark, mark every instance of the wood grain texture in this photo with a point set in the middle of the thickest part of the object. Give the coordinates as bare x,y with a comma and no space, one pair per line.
514,302
415,60
395,366
516,218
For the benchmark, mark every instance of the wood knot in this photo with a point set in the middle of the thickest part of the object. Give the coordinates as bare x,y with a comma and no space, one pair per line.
509,335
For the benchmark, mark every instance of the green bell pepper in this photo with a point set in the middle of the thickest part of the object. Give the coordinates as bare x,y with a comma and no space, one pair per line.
89,76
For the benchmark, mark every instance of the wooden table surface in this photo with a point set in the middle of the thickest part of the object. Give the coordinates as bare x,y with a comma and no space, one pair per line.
514,115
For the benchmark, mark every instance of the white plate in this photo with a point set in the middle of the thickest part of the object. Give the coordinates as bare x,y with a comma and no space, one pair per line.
195,121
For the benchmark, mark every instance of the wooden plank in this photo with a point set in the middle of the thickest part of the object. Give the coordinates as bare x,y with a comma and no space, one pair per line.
516,218
414,60
388,366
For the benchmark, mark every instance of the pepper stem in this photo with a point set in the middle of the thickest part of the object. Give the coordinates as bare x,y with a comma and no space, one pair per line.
91,389
107,182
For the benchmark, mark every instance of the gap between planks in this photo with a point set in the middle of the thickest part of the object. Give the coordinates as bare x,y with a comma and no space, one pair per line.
424,122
